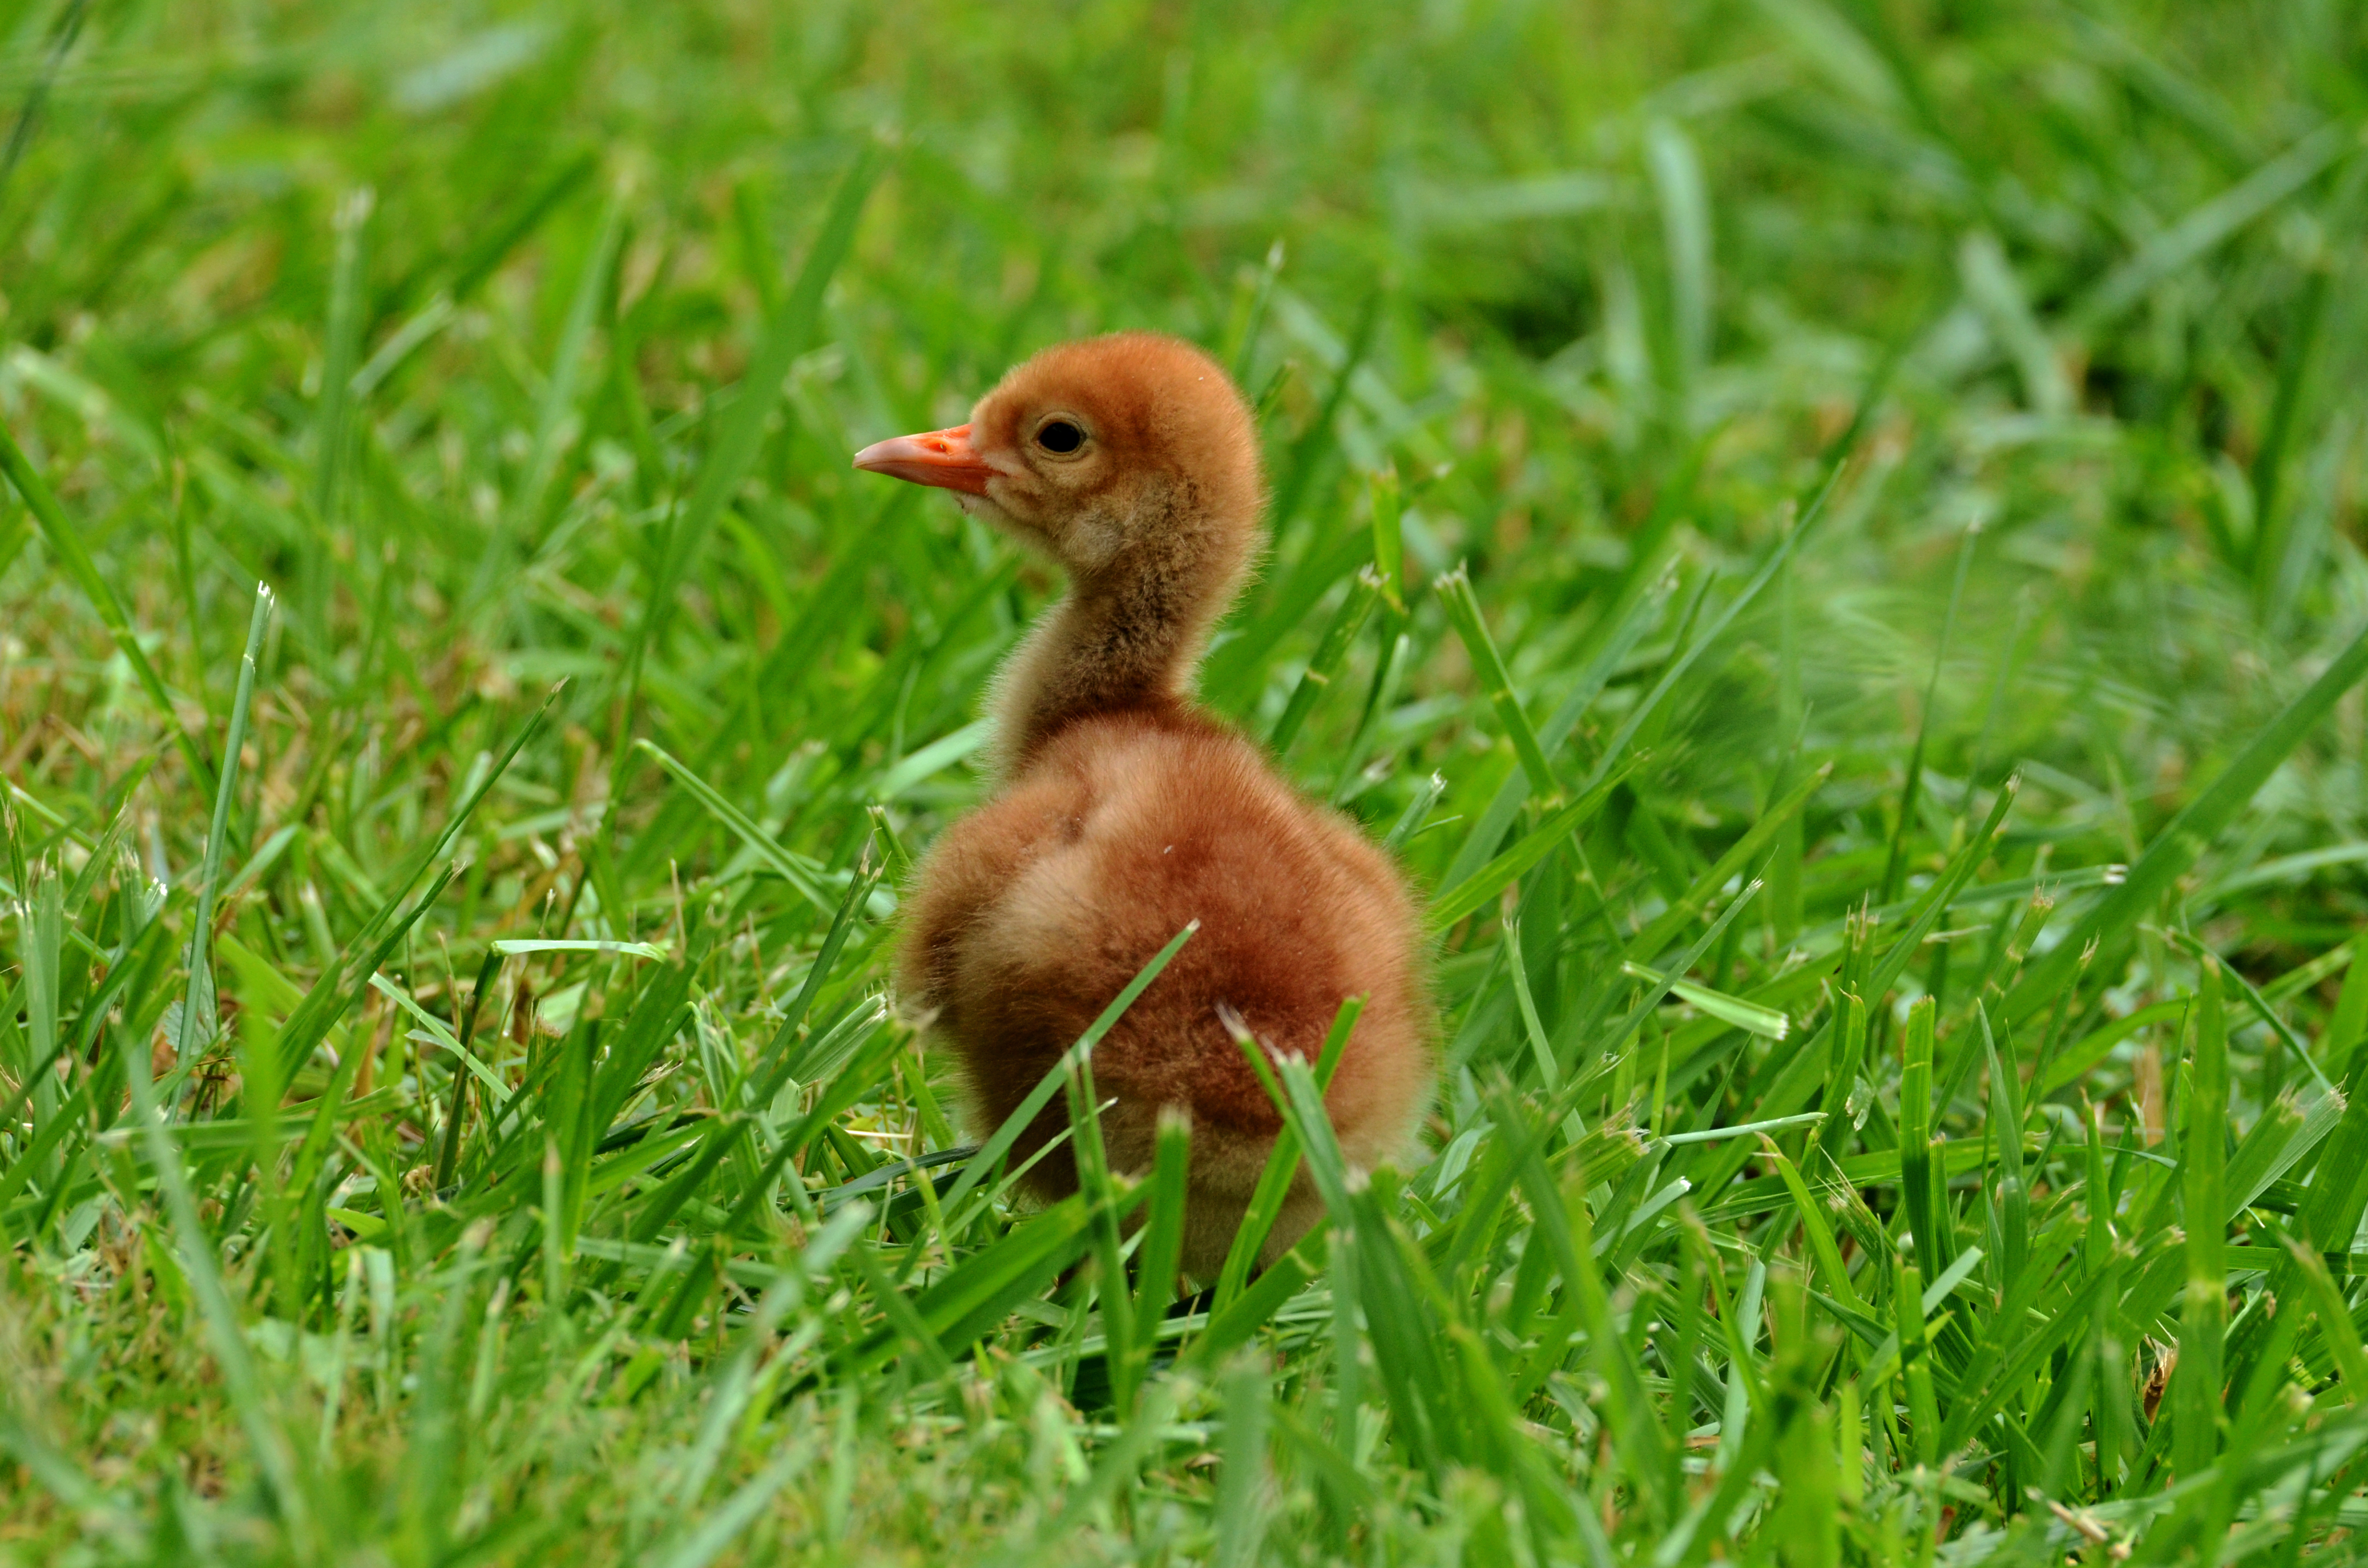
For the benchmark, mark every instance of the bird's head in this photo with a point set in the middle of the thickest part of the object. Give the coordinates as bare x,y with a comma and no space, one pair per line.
1134,447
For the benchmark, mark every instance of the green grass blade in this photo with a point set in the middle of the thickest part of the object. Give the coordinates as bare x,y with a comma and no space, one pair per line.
2006,1126
65,542
1282,1162
340,342
338,986
2335,1321
1240,1509
1933,1244
1896,863
200,1265
1822,1245
198,1001
786,336
1455,596
2338,1047
796,870
1364,592
2202,1323
1740,860
1617,643
2176,848
2210,224
1163,1238
1475,891
559,396
1389,537
1615,751
1915,1364
702,1545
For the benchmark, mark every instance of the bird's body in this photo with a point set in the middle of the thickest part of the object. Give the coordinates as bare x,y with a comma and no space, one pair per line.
1124,812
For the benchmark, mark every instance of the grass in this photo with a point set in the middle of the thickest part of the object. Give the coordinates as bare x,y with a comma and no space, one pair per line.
1826,535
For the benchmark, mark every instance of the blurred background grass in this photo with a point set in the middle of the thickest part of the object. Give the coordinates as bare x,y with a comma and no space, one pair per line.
433,318
1607,275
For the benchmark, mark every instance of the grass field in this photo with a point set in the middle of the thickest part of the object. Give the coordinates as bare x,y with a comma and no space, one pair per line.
1890,782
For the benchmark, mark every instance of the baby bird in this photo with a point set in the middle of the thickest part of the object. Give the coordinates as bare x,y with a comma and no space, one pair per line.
1123,809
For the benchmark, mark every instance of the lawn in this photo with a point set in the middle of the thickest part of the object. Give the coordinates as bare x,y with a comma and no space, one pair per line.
1826,535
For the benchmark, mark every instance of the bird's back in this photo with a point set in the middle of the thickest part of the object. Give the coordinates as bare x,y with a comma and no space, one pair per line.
1038,909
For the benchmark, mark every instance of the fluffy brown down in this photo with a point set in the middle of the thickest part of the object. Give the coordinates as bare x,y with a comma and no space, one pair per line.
1125,812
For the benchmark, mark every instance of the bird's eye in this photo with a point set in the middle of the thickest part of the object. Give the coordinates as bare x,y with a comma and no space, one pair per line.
1060,436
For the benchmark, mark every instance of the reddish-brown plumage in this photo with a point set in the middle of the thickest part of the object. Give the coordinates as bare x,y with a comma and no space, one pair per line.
1125,812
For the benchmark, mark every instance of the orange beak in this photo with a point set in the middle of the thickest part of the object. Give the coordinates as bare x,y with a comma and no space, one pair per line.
942,458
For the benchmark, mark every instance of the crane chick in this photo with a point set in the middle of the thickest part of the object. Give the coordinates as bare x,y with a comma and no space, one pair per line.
1123,809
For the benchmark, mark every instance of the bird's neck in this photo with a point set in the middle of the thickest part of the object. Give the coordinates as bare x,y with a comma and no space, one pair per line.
1127,638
